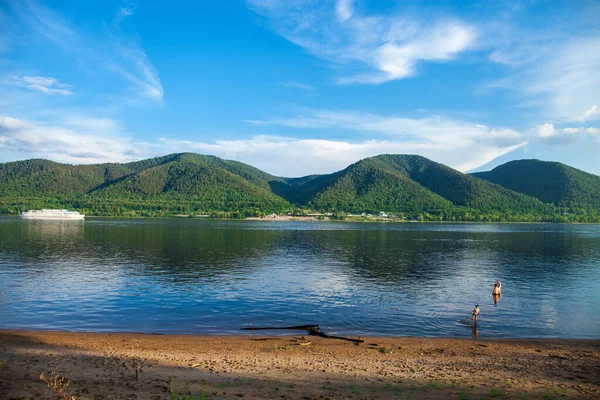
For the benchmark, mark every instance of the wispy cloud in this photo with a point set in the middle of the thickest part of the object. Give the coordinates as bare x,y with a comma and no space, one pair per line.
136,68
381,47
298,85
436,130
567,83
552,66
592,113
344,10
43,84
126,9
119,53
552,63
46,22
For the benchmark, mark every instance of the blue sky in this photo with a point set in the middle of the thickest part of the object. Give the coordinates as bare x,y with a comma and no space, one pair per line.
301,86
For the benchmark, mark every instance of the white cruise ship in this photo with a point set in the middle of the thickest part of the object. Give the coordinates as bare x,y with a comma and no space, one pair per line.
51,214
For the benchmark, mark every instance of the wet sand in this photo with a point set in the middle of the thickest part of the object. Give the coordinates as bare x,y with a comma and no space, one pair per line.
104,366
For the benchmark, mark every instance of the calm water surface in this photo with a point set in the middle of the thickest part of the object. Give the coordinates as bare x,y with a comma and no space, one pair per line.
202,276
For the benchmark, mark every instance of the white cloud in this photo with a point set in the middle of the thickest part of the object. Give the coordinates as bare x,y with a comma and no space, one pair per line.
90,140
118,53
564,136
381,47
297,157
546,130
592,113
13,124
77,140
42,84
399,61
593,131
460,144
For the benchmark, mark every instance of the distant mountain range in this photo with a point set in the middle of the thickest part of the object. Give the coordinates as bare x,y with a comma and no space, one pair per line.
404,184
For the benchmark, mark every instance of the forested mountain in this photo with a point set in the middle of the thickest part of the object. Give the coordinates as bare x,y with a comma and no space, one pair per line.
408,185
405,183
176,183
204,182
550,182
43,177
369,185
460,189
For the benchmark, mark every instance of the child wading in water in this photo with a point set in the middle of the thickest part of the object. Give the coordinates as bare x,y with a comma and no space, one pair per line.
475,313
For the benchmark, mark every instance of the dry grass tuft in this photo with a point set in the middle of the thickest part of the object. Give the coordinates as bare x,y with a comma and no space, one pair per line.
59,385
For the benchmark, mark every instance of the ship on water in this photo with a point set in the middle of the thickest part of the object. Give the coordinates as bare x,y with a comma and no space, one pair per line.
52,214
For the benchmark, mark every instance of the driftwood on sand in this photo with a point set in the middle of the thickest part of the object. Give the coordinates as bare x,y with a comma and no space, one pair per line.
313,330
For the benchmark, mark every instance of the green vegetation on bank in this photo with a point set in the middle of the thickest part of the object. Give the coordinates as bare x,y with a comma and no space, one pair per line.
409,187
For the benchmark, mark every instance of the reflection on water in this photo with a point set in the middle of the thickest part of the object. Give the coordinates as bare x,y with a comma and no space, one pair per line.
379,279
496,297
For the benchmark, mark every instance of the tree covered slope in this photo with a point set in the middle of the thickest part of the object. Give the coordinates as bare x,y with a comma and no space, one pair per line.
43,177
406,183
171,184
461,189
550,182
187,182
206,181
366,186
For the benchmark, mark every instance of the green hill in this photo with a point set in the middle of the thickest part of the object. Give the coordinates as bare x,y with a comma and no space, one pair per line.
403,184
175,183
43,177
461,189
205,183
550,182
366,186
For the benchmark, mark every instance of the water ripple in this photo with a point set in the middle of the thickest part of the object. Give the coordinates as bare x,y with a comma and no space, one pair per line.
189,276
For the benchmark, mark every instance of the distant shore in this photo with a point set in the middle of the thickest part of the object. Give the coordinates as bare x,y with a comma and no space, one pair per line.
284,218
105,365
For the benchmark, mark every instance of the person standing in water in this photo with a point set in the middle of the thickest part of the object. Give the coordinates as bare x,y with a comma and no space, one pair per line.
497,288
475,314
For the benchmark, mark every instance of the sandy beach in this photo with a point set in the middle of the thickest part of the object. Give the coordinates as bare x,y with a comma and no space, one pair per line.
138,366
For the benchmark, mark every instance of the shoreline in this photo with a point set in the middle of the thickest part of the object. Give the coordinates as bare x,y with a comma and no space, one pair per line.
285,333
314,219
105,365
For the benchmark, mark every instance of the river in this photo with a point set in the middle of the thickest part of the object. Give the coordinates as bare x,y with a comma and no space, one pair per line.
215,277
